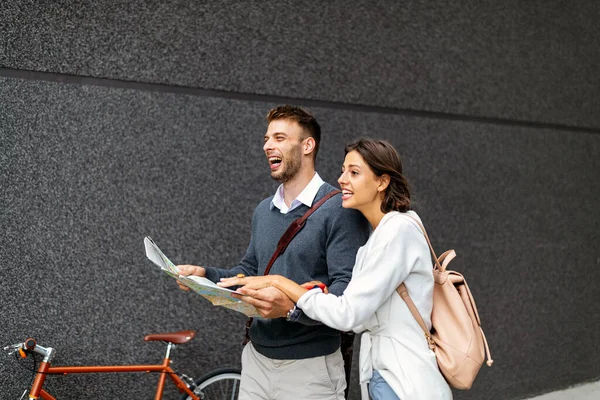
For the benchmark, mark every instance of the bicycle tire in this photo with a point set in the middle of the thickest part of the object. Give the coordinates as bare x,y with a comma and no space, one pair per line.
219,384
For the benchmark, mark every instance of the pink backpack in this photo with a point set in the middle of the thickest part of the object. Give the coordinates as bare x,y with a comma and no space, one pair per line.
456,336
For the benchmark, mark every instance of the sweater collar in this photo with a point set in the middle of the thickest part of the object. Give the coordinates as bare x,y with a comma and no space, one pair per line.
306,197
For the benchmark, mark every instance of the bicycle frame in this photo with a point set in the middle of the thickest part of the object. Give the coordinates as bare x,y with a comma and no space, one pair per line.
45,368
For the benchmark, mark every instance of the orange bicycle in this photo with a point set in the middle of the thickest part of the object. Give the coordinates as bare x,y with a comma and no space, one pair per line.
218,384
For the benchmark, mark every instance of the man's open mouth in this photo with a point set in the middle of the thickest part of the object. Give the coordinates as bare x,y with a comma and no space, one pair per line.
274,162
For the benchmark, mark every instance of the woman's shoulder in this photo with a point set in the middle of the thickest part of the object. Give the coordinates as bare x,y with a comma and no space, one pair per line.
396,220
400,228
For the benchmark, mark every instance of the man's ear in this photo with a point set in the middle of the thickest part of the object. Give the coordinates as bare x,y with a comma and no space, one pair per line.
384,182
309,145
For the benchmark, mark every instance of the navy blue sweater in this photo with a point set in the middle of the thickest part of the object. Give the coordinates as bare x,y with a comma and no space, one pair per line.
324,250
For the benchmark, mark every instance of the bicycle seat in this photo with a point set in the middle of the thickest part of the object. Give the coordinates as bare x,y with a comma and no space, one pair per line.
171,337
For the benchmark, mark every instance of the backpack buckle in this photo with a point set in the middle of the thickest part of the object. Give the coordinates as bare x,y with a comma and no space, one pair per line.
430,342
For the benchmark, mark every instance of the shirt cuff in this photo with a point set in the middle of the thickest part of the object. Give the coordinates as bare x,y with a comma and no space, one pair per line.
304,298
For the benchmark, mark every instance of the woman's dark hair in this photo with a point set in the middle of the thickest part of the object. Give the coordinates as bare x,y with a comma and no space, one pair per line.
383,158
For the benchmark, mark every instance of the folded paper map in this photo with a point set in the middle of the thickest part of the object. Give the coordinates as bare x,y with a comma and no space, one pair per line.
217,295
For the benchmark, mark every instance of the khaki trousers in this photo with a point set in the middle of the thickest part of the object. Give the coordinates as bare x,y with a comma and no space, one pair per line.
318,378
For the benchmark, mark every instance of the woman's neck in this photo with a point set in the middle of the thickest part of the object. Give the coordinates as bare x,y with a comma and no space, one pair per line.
374,215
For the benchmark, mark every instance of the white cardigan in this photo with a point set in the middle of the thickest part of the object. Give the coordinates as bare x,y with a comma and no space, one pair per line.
392,341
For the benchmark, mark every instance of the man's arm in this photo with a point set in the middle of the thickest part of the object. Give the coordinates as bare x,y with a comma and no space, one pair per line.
246,267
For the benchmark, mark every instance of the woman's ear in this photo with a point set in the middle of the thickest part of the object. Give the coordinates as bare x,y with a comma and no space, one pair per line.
384,182
309,145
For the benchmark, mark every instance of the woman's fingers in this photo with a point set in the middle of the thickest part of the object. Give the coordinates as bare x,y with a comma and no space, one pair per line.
245,291
251,282
233,281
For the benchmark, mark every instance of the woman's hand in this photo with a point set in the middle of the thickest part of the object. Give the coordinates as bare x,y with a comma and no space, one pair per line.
249,282
252,286
260,291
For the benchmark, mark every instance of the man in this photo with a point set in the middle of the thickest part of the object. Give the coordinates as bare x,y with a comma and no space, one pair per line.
291,356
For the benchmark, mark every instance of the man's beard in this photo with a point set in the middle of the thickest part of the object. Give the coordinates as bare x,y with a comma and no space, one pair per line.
291,166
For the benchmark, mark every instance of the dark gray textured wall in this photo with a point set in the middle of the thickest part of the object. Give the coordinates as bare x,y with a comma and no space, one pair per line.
507,175
534,60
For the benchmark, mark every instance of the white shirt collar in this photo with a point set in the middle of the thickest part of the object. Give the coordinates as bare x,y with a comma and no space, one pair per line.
305,197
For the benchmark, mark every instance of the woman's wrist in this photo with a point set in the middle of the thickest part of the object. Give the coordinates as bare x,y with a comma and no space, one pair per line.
290,288
280,283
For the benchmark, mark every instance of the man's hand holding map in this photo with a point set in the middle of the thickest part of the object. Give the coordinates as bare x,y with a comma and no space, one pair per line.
216,295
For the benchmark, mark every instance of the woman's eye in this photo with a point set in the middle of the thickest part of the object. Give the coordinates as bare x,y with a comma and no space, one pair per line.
354,173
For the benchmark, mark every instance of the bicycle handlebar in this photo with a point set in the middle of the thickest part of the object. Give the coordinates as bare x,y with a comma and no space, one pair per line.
30,345
13,348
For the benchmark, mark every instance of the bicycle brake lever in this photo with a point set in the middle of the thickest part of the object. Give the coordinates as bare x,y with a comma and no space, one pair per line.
13,348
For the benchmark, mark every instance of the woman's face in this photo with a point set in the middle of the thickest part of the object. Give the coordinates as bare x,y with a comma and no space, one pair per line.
359,184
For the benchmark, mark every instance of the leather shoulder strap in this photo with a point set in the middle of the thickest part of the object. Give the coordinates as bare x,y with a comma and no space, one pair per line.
435,258
403,292
413,310
295,227
411,306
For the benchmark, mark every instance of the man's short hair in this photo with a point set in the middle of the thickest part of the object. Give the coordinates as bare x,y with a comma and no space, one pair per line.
308,123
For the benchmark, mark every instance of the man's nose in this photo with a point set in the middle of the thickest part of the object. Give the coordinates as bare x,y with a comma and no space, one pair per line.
267,145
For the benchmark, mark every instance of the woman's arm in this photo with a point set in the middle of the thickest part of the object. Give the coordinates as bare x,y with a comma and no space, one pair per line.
396,249
386,263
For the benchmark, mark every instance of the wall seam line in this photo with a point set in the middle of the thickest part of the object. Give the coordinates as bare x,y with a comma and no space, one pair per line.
267,98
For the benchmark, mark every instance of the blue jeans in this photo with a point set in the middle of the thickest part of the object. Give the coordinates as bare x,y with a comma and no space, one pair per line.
379,388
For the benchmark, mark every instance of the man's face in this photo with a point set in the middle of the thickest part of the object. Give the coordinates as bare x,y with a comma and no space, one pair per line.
283,148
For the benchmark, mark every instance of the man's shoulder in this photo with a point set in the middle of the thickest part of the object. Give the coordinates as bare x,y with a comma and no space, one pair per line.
324,190
266,202
333,202
264,206
333,206
343,222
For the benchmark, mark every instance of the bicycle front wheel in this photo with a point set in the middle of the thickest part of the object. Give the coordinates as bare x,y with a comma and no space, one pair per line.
220,384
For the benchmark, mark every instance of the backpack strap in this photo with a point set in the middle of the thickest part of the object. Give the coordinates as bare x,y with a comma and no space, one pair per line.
435,258
403,292
413,310
295,227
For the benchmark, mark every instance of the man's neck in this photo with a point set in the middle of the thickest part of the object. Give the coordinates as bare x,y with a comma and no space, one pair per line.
295,186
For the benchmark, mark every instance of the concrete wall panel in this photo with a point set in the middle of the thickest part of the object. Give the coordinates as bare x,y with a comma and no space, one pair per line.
531,61
86,172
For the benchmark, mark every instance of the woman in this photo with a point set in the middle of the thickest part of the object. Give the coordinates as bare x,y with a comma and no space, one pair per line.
395,360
